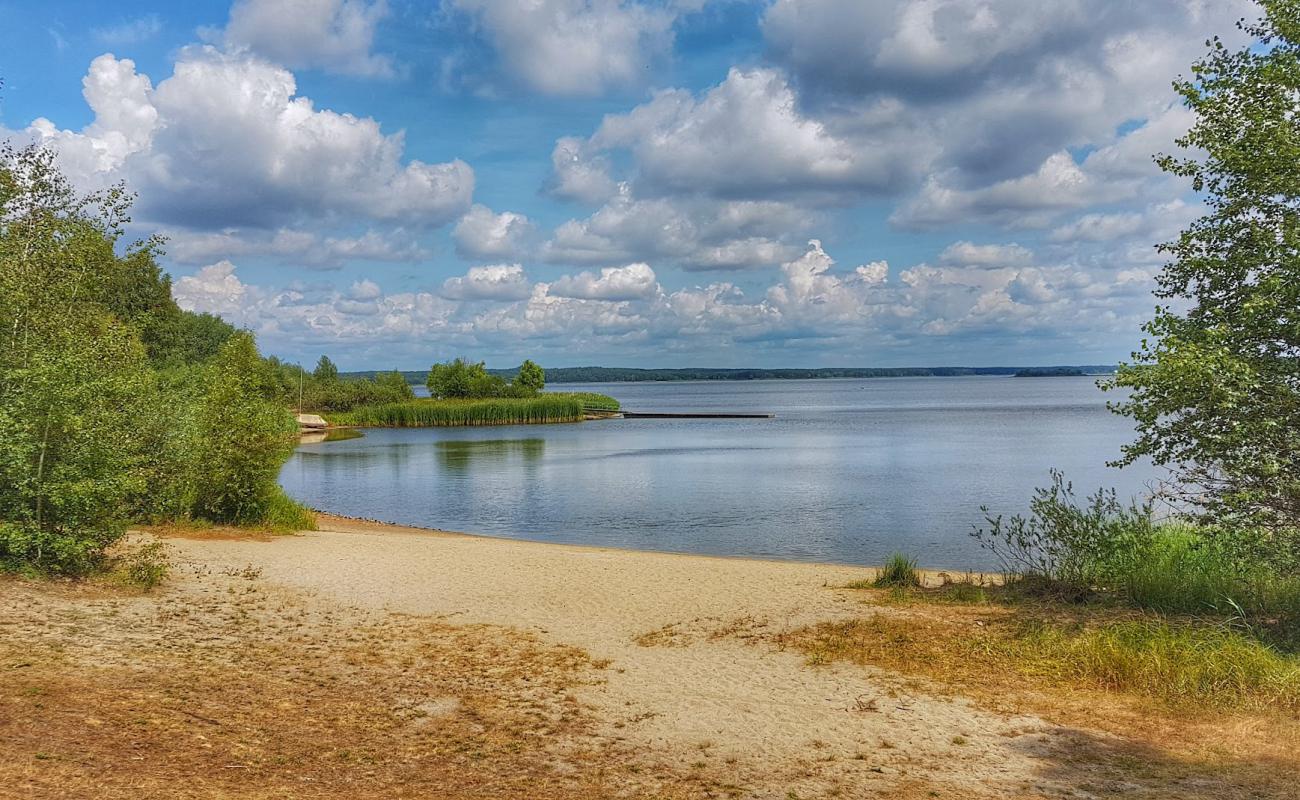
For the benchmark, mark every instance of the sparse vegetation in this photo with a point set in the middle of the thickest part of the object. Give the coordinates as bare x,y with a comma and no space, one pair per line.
898,571
144,567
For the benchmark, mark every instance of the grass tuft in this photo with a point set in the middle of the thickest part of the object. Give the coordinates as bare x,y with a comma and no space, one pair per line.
899,572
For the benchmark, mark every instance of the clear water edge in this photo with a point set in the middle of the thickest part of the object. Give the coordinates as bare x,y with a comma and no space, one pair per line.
849,471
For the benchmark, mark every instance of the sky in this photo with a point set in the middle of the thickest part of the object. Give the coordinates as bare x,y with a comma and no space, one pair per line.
780,183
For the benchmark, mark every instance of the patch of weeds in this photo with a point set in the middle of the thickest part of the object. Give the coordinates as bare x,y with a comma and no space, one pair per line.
144,568
899,572
248,572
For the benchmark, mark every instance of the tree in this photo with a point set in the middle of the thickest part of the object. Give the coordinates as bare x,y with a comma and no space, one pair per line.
71,373
243,436
1215,388
394,387
531,378
325,370
461,379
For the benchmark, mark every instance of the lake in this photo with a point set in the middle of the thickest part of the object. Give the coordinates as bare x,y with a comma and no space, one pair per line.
849,470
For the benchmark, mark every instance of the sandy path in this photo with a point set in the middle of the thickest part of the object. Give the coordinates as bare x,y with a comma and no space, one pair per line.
696,678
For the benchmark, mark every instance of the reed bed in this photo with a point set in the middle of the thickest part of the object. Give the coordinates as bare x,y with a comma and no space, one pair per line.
425,413
594,401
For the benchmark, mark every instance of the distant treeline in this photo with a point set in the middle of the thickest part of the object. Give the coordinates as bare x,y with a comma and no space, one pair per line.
627,374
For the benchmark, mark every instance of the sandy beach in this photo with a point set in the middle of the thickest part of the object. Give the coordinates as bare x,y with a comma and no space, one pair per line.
670,673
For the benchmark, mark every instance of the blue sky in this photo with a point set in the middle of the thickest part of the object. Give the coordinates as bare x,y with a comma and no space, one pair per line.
669,183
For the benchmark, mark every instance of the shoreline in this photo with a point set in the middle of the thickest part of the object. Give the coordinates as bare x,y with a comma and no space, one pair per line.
928,574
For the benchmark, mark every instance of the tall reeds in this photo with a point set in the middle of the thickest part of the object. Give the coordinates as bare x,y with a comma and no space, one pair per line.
545,408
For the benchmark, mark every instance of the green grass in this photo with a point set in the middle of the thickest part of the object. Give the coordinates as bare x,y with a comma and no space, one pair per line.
283,513
899,571
592,400
426,413
1181,663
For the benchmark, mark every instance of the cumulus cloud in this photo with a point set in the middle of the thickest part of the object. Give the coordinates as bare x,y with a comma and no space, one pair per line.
698,234
227,142
632,282
330,35
747,138
578,174
482,233
292,246
215,289
495,282
968,254
574,47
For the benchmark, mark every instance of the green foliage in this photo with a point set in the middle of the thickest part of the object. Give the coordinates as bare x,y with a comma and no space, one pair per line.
593,401
1064,542
1209,665
531,378
898,571
459,379
1103,549
243,437
1215,390
114,404
427,413
325,370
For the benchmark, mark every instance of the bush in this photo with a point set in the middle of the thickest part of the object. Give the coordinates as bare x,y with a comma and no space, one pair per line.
243,438
1067,552
1068,543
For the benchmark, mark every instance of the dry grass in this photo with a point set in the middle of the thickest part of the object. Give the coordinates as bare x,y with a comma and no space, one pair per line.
239,692
1239,745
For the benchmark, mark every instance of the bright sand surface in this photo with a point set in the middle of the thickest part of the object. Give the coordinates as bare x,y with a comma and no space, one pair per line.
693,649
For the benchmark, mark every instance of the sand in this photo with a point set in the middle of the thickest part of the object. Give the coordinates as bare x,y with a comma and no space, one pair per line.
367,660
693,668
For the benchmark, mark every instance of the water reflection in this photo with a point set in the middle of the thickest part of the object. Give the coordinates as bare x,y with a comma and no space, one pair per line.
848,470
460,455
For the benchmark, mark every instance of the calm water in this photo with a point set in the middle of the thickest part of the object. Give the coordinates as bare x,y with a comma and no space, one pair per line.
849,471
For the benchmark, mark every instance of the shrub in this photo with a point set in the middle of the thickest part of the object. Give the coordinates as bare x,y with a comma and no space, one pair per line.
1068,543
243,438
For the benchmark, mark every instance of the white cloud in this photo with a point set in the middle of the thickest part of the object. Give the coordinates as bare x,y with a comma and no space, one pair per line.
698,234
1029,201
134,31
226,142
634,281
292,246
574,47
746,138
330,35
578,174
481,233
495,282
969,254
215,289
